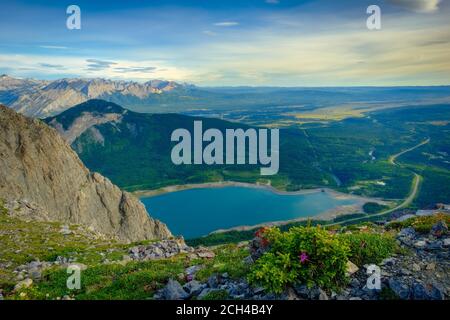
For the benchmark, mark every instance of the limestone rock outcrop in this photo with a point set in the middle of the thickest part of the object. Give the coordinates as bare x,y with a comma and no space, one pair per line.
38,166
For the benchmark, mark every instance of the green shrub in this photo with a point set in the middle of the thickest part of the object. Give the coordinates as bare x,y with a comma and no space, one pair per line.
308,255
388,294
373,207
217,295
366,248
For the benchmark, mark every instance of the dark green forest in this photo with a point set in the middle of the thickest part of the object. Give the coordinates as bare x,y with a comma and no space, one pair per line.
351,155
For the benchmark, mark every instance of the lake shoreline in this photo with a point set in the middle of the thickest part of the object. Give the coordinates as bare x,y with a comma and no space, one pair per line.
325,216
223,184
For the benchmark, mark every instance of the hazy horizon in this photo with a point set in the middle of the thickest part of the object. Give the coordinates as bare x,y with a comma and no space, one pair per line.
231,86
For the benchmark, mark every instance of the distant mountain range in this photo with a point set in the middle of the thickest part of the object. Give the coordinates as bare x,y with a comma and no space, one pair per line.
42,98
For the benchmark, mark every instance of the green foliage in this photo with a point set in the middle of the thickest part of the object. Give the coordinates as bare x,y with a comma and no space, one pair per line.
388,294
217,238
324,266
229,259
373,207
217,295
367,248
132,280
330,155
236,236
135,280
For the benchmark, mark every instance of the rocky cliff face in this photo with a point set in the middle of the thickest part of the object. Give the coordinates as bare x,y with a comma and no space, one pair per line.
38,166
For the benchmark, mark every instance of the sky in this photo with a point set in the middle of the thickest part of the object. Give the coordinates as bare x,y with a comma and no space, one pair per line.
230,43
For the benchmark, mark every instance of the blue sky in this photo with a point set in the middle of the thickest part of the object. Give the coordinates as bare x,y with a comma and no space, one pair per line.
213,43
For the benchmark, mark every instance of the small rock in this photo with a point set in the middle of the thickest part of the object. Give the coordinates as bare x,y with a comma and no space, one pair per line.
420,244
35,274
192,270
426,292
61,260
290,294
415,267
248,260
407,232
258,290
203,252
388,262
439,229
354,283
65,230
446,242
23,284
431,266
434,245
405,271
193,287
322,295
174,291
400,289
355,298
302,291
315,293
213,281
351,268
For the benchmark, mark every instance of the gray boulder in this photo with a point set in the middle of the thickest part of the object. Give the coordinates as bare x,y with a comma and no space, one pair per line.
194,288
174,291
407,232
421,291
400,288
439,229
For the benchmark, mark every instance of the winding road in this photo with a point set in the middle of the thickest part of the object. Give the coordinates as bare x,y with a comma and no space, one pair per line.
395,156
408,200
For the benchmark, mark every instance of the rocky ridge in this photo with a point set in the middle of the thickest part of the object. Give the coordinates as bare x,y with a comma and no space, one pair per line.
41,98
40,169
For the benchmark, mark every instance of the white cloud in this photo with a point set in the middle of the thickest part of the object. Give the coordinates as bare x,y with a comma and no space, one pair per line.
209,33
54,47
226,24
402,54
418,5
54,66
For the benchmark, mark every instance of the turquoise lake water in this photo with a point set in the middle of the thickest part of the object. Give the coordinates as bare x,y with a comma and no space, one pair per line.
197,212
